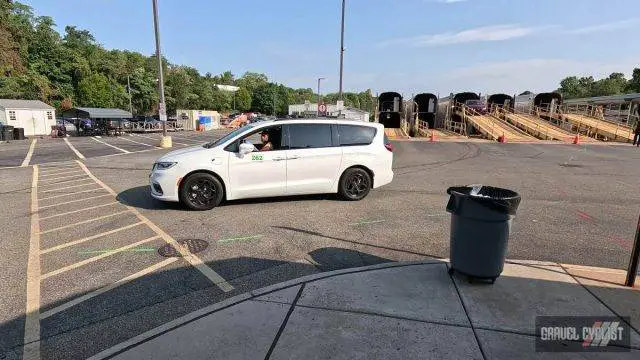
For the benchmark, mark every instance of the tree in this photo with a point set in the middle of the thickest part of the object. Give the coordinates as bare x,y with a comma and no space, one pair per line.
243,99
251,81
633,85
97,90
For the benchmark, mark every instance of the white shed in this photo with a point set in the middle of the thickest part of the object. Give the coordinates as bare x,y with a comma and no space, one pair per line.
34,116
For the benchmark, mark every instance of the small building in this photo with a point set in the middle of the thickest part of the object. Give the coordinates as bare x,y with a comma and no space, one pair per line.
333,110
34,116
188,118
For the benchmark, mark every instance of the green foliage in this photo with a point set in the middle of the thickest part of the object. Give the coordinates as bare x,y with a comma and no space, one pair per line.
97,90
243,99
615,84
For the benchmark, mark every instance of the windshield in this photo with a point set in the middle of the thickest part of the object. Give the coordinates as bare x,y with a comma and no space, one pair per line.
230,135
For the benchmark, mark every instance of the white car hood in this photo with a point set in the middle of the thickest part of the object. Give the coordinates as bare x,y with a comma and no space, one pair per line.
176,154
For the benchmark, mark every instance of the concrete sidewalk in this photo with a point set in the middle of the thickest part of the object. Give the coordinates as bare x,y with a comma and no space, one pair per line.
395,311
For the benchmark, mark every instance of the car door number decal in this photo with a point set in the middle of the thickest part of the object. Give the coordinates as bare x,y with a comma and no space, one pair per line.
257,157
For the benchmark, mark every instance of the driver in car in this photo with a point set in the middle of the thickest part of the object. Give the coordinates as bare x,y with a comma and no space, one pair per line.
266,142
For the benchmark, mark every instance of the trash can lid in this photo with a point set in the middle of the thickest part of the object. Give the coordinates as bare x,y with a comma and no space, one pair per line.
502,200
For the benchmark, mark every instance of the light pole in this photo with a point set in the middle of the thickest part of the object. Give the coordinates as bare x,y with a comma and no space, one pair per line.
162,109
342,49
319,98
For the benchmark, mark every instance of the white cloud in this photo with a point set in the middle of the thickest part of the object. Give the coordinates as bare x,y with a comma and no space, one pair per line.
480,34
609,26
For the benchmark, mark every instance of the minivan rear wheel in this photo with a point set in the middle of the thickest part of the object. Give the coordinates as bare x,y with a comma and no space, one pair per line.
355,184
201,191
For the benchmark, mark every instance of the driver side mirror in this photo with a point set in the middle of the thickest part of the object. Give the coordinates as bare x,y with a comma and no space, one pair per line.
246,148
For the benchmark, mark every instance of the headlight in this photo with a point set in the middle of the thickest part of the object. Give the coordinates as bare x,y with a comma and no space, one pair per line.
163,165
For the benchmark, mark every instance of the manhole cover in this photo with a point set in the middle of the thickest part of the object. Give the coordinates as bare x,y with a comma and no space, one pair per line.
193,246
571,165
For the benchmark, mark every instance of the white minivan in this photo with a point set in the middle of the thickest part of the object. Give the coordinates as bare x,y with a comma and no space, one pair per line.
277,158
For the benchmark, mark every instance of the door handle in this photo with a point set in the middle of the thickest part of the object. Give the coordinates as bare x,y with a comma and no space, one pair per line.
279,158
293,157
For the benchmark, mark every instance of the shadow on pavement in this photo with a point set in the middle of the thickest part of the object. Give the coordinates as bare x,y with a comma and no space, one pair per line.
139,197
149,301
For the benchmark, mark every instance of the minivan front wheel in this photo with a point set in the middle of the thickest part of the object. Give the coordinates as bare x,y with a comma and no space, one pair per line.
201,191
355,184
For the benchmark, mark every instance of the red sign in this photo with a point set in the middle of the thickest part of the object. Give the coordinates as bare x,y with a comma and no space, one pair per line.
322,108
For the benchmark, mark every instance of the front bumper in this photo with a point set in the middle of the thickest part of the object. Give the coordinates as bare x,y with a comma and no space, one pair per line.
164,185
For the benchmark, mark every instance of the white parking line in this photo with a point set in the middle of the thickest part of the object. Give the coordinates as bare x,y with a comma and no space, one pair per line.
68,187
62,177
107,288
62,182
79,210
72,201
83,222
74,149
79,241
141,143
68,194
96,258
75,171
31,349
27,158
115,147
192,259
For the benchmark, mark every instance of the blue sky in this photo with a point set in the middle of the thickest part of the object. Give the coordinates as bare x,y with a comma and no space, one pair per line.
409,46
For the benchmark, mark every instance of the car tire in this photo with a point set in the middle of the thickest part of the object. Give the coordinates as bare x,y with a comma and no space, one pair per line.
355,184
201,191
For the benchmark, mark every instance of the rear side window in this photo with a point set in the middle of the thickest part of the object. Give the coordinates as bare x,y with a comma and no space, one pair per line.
309,136
352,135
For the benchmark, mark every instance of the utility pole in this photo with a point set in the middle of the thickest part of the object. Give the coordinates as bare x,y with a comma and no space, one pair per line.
162,112
342,48
129,91
319,97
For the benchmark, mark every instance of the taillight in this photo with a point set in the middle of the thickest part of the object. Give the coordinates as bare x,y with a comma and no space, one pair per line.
389,146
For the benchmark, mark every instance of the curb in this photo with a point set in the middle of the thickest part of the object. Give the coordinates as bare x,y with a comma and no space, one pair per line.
235,300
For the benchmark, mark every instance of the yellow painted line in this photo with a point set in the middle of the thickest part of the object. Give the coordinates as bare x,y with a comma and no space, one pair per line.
78,154
113,146
68,187
68,194
107,288
79,210
96,258
72,201
47,181
83,222
74,171
27,158
88,238
31,349
62,182
192,259
141,143
55,169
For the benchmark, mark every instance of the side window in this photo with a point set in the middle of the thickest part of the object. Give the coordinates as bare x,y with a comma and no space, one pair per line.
12,116
274,136
353,135
49,115
309,136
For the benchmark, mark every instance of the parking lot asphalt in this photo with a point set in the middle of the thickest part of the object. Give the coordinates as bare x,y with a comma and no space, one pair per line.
101,276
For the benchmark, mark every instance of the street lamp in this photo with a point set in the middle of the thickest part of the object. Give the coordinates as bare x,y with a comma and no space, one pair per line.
319,97
342,48
162,108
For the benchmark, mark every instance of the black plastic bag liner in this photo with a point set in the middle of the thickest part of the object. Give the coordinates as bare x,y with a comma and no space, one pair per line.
497,199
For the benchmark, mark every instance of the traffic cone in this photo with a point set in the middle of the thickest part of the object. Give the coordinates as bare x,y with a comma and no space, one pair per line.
576,139
432,137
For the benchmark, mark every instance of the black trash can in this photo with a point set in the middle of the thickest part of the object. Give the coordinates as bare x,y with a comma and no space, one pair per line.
18,133
481,219
7,133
